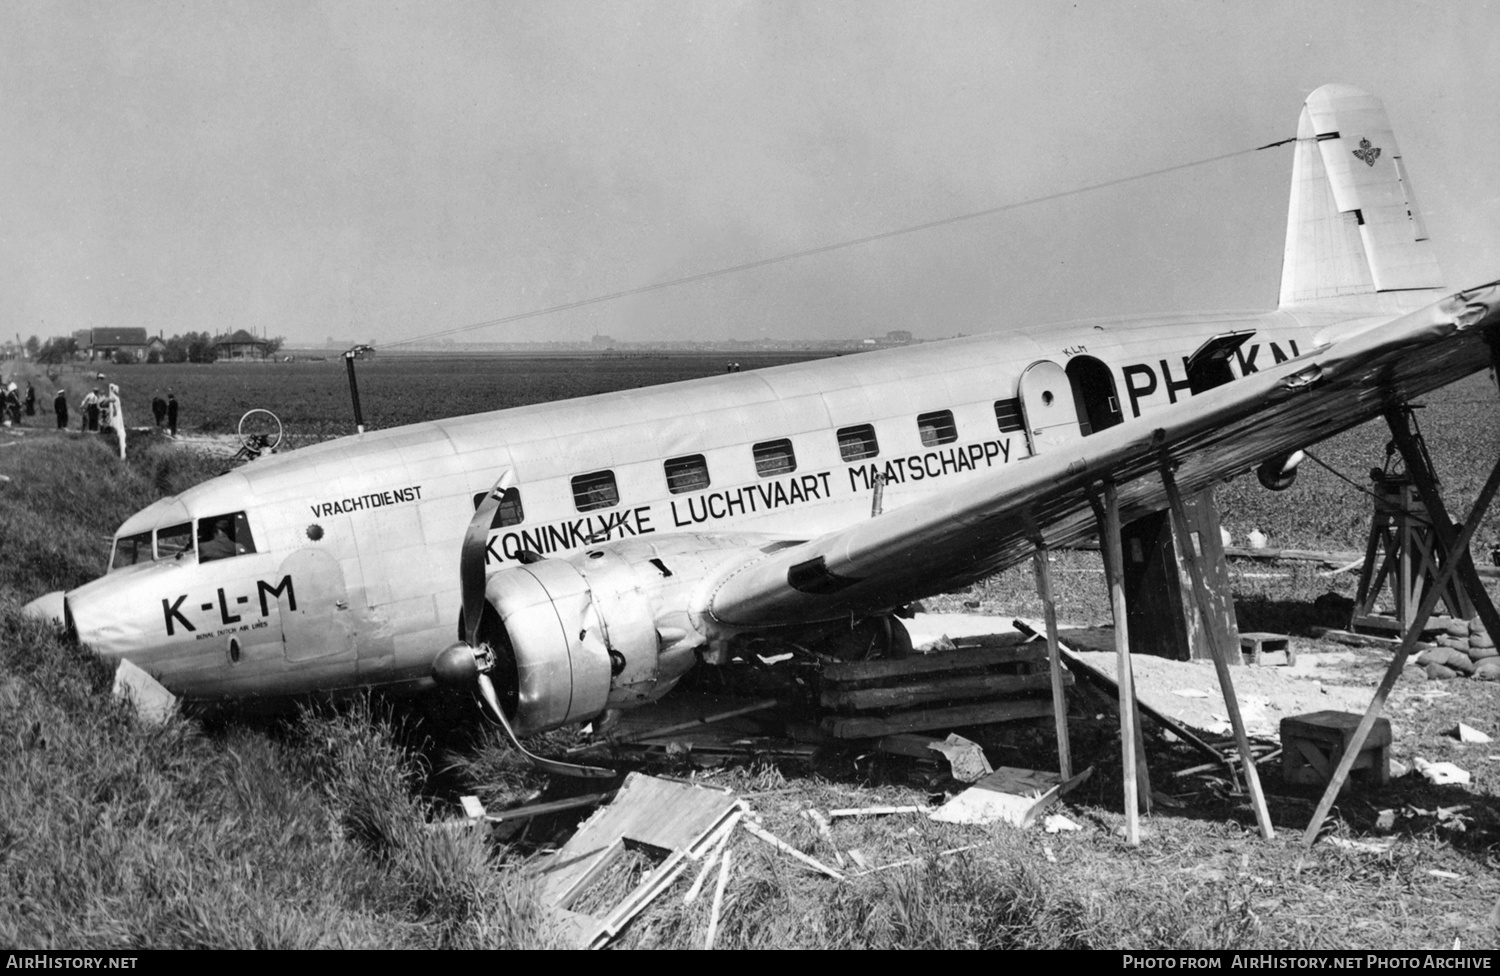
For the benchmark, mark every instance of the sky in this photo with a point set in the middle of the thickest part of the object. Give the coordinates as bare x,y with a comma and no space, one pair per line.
382,171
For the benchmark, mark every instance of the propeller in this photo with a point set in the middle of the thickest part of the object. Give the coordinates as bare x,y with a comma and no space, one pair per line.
475,658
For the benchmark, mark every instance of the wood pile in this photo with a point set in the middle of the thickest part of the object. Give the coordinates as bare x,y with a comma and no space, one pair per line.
979,680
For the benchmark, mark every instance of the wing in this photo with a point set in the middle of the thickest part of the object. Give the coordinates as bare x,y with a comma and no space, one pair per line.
965,533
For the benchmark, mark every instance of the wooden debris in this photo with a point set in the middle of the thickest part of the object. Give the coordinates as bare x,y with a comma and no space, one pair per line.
874,811
1084,669
684,820
718,905
552,806
919,860
997,680
763,835
826,832
866,727
1009,795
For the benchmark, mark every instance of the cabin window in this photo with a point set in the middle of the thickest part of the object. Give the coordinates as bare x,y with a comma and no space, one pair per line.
174,540
857,442
131,549
595,491
1008,415
510,511
686,474
937,427
223,536
774,457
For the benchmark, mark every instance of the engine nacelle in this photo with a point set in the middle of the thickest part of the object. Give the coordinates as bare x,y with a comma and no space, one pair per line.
1278,473
604,628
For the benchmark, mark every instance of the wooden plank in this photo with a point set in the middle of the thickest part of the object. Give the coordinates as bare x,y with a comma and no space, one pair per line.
1054,660
866,727
1220,653
718,904
656,812
976,658
1081,667
781,845
1129,729
906,744
954,688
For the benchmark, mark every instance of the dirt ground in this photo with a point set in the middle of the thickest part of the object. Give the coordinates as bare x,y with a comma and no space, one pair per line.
1188,691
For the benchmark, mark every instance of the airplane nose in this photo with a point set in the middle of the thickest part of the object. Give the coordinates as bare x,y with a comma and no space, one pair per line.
48,606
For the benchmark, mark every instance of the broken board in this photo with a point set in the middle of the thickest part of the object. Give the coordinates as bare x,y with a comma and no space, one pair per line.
678,819
1008,795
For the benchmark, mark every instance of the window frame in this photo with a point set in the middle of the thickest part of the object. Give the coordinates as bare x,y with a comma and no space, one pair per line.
512,511
762,453
868,446
684,465
581,490
925,423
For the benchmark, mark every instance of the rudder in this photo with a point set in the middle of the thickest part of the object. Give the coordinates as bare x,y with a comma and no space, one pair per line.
1353,227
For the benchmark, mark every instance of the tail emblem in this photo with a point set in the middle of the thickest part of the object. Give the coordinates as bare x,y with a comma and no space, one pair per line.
1367,152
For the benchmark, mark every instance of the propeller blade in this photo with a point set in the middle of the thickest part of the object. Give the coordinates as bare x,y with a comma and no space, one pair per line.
556,767
471,557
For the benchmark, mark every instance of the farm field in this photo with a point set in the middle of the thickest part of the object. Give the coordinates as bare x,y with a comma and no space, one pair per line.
311,829
312,397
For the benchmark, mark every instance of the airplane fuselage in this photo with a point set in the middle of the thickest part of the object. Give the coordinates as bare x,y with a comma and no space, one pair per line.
347,573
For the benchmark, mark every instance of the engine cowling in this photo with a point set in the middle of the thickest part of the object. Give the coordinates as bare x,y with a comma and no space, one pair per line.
604,628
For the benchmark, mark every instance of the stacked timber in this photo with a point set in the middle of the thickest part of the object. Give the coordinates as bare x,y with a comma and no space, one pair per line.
980,680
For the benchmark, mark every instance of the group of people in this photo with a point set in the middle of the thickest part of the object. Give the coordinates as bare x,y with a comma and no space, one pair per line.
102,412
12,404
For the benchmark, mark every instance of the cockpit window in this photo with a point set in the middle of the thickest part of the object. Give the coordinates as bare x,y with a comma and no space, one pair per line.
174,540
223,536
131,549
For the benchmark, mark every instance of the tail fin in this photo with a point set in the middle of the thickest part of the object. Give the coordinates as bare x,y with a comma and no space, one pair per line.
1353,227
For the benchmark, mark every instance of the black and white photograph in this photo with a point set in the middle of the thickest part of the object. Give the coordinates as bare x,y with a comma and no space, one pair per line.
751,474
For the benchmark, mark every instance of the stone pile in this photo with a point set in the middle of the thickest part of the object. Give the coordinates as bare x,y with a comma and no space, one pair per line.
1464,650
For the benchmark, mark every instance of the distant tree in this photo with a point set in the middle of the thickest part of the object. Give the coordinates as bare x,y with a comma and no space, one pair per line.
33,346
190,347
56,351
123,358
273,346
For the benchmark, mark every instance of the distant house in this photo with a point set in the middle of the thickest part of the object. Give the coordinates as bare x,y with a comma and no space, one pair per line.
242,346
106,344
156,349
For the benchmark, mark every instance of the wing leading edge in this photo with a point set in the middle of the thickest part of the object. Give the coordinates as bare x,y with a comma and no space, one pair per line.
977,529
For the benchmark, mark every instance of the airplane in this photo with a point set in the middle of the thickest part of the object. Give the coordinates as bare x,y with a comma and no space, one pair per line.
580,556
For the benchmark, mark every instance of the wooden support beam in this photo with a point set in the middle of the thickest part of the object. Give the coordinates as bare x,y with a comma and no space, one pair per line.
1442,526
1220,654
1429,600
1054,660
1129,725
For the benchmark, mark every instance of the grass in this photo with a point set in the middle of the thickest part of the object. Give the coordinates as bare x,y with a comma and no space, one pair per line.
315,829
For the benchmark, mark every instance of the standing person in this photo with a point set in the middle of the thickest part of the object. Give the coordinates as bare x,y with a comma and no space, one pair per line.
30,400
159,408
60,407
90,412
172,413
115,414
